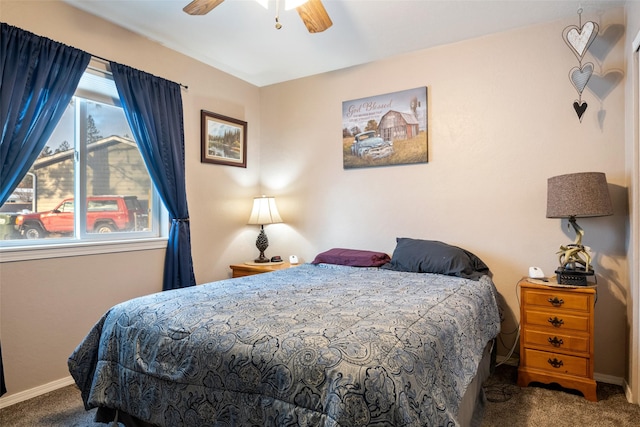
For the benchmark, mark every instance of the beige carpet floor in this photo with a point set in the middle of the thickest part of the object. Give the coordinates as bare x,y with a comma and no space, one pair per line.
541,405
508,406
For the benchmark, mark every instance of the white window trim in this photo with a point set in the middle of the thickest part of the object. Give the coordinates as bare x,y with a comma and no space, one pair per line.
67,248
62,250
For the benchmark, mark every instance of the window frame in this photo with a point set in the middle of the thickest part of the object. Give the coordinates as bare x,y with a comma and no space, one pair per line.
83,242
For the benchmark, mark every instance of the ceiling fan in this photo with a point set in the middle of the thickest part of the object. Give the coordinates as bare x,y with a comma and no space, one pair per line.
312,12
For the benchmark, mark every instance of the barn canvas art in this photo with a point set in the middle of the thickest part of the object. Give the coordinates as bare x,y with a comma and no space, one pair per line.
383,130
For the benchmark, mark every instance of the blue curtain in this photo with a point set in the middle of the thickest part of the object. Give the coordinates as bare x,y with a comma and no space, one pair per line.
153,107
3,388
37,80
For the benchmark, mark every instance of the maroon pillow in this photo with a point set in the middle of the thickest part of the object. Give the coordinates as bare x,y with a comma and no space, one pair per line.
352,257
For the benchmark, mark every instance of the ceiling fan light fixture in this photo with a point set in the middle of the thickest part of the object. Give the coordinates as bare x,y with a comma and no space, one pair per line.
314,16
292,4
312,12
201,7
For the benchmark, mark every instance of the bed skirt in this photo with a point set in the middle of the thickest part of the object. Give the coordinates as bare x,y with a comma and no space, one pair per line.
473,402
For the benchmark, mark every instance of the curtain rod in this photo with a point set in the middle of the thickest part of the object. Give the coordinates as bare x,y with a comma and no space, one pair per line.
106,61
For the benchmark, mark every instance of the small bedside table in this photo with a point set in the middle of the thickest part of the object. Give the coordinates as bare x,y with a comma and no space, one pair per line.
251,268
556,336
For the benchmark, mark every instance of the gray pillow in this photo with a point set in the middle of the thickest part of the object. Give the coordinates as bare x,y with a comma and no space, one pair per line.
431,256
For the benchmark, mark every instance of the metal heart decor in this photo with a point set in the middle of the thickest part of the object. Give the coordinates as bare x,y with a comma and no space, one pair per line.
579,39
580,108
579,76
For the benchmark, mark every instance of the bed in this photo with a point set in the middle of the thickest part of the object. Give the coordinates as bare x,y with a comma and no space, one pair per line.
321,344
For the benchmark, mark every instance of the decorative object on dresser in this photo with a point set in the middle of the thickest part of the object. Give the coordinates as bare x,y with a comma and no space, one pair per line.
556,343
264,212
577,195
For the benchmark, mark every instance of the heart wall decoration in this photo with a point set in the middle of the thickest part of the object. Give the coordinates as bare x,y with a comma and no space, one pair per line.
580,76
580,108
579,38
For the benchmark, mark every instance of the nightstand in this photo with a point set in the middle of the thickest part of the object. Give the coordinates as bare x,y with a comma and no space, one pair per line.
556,336
251,268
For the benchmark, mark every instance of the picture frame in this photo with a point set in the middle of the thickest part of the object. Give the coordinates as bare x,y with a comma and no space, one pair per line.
386,130
223,140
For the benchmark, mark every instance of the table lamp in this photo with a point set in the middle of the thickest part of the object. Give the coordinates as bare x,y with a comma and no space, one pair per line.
577,195
264,212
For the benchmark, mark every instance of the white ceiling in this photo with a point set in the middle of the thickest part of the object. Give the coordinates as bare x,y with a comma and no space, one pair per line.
239,36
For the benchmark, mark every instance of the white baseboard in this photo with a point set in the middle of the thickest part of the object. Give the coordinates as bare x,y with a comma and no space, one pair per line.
629,394
35,392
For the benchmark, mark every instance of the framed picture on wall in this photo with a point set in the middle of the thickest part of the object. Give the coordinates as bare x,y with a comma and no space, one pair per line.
224,140
384,130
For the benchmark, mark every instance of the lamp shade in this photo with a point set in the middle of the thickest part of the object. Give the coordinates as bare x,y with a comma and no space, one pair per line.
578,195
264,211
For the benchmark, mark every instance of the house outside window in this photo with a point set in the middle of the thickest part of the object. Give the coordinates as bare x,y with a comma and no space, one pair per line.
91,157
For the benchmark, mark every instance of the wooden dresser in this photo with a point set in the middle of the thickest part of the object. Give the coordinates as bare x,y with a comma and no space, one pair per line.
251,268
556,341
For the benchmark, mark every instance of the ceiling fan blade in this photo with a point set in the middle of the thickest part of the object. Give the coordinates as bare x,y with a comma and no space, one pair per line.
314,16
201,7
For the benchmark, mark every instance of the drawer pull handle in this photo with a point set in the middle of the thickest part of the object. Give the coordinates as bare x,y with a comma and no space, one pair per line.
556,322
555,362
555,341
556,302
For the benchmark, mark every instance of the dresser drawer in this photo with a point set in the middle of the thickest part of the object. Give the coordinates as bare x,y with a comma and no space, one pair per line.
557,341
561,300
557,363
559,320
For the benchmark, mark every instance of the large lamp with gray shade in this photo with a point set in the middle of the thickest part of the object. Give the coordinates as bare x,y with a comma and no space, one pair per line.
264,212
571,196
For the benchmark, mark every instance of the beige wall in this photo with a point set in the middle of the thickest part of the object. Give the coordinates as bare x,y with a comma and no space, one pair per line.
500,124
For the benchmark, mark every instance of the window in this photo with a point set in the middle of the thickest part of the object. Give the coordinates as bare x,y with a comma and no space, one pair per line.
92,157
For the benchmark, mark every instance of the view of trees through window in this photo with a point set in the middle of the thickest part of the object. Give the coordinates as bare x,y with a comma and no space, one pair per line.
92,157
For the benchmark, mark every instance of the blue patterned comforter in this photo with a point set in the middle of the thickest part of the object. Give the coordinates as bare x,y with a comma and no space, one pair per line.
319,345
